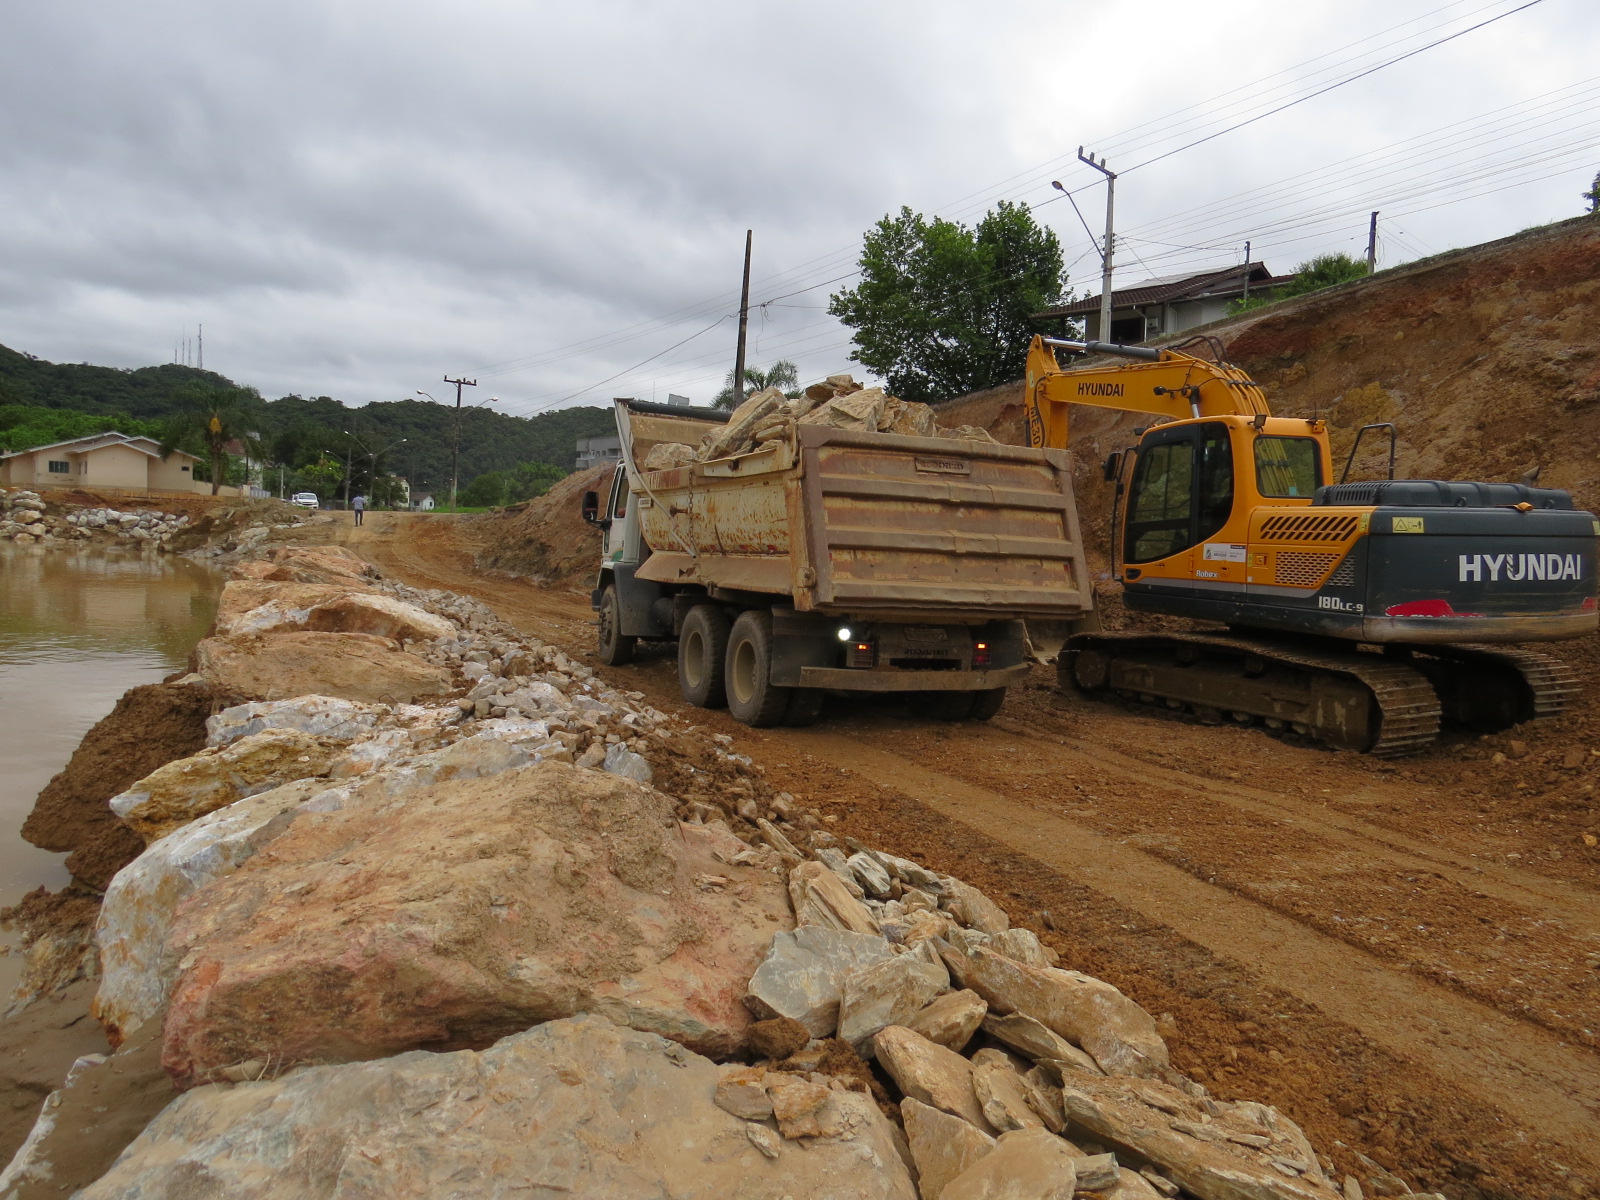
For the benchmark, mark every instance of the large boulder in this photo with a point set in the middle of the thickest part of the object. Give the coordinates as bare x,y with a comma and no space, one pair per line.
352,666
315,564
578,1108
320,716
173,795
382,616
265,606
450,914
135,918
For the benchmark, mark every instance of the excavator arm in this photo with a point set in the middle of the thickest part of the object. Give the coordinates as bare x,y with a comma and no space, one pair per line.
1166,383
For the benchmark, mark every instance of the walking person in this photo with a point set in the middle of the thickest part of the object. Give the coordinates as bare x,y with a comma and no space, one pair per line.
359,505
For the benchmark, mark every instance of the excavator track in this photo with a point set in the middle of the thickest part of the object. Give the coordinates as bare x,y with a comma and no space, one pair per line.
1490,688
1347,699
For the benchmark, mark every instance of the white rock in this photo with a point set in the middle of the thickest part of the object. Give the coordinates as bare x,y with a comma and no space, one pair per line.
131,931
321,716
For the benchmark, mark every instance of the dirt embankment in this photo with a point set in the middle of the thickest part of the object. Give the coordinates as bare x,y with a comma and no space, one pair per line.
150,726
546,539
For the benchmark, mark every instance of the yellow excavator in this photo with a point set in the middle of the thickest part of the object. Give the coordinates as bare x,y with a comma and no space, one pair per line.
1357,614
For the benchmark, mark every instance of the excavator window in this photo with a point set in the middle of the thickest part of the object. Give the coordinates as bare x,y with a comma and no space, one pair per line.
1288,467
1182,491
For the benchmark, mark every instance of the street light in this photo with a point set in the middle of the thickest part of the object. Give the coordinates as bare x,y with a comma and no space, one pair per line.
344,458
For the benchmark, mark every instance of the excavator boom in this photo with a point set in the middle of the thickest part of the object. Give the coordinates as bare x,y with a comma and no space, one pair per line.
1164,383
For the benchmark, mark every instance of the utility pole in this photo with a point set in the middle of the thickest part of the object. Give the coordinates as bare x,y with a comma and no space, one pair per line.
1246,271
1372,244
1110,242
455,445
200,348
744,320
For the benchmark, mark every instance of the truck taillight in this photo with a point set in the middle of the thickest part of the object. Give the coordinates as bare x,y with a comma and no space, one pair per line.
859,654
980,655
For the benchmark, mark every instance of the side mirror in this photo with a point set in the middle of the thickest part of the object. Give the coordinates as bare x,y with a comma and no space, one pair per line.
591,507
1112,467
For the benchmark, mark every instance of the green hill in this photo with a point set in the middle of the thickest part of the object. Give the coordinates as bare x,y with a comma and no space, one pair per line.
298,428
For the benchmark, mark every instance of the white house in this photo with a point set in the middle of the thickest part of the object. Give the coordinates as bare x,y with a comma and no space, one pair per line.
1168,304
105,462
421,501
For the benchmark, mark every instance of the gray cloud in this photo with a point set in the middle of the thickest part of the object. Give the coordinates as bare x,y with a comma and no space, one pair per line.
357,198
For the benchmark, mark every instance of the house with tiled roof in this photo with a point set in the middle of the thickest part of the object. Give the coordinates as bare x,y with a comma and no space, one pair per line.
103,462
1169,304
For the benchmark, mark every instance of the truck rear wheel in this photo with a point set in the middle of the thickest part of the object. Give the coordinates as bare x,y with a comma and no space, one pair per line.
752,696
805,706
615,647
985,704
702,653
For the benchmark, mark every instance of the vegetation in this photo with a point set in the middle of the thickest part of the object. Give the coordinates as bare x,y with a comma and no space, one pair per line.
310,439
209,419
1311,276
495,489
1593,195
943,309
24,425
782,374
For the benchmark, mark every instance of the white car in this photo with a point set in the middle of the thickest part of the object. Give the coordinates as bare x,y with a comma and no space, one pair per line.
304,499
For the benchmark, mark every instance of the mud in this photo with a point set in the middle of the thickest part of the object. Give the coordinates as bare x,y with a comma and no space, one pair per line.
150,726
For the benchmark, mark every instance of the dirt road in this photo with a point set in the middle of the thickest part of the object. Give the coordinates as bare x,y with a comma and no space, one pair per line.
1377,949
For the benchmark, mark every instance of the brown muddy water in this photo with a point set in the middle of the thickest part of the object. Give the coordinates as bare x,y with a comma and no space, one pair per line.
77,629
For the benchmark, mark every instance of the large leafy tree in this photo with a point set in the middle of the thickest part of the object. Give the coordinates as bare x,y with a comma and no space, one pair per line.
943,309
782,374
210,417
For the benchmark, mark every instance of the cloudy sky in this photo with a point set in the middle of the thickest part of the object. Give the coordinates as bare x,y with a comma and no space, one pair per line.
356,199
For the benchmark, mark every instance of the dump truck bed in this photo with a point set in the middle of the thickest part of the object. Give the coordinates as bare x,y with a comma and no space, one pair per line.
842,521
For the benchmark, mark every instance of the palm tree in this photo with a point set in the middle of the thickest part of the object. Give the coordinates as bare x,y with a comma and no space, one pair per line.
781,374
212,416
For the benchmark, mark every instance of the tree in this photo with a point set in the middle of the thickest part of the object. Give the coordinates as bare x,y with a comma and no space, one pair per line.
782,374
1310,276
942,309
208,419
1593,195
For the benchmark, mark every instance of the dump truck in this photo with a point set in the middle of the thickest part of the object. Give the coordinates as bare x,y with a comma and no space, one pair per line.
835,560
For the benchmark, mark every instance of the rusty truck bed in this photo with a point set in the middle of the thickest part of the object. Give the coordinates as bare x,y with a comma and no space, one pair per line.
845,521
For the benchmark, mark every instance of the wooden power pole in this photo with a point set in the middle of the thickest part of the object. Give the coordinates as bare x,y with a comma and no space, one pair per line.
455,443
744,321
1372,244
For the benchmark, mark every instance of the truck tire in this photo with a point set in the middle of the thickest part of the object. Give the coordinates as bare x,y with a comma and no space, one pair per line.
986,703
752,696
616,648
805,706
702,653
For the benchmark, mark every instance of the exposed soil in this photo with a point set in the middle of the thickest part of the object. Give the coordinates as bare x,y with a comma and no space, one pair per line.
150,726
546,539
1396,962
41,1044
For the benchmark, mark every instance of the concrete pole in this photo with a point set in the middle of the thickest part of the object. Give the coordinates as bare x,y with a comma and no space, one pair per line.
1110,242
1372,244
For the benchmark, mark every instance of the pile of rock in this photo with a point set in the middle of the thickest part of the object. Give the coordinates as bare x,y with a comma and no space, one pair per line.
145,525
22,517
416,915
769,417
